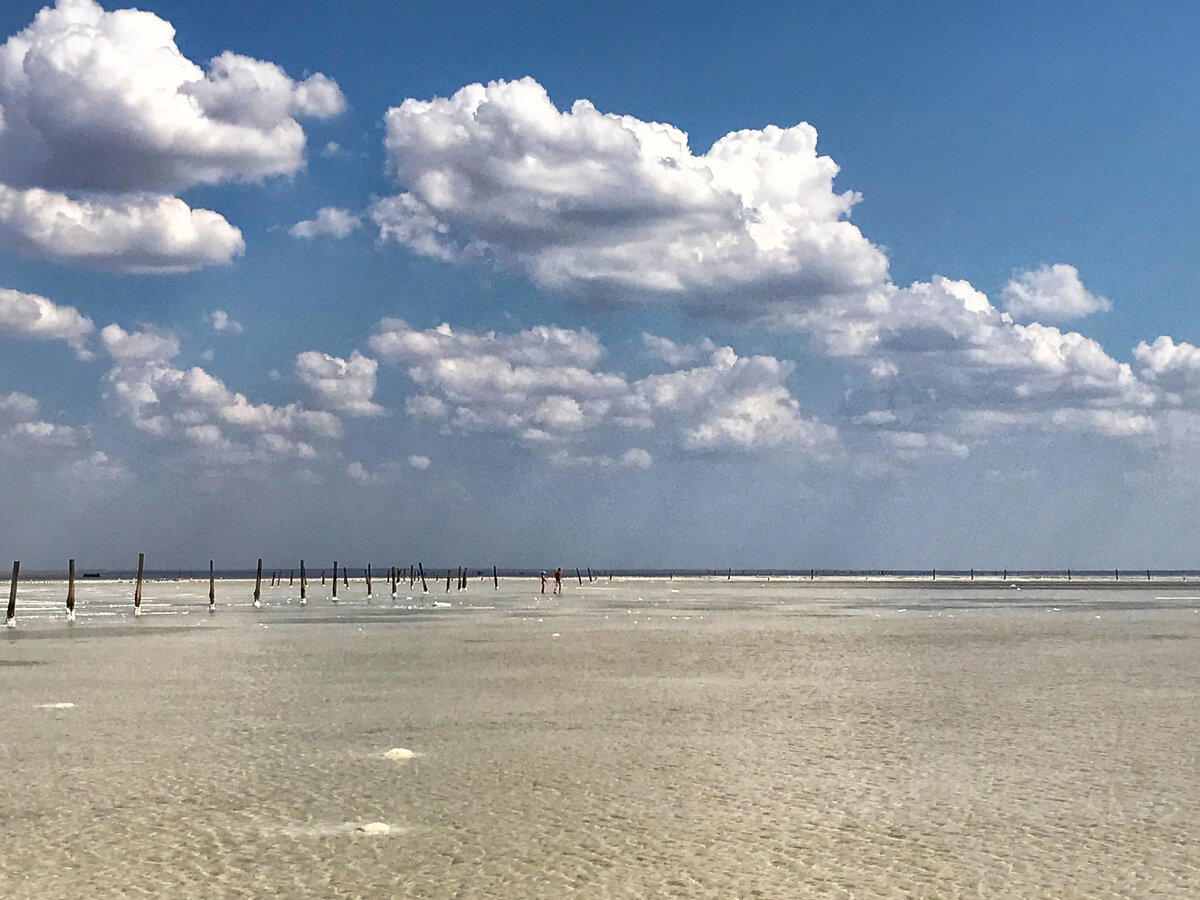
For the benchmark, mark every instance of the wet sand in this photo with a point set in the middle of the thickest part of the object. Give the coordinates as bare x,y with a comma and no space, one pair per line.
693,738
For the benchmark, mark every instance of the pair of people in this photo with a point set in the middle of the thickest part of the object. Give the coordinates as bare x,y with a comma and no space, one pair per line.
557,581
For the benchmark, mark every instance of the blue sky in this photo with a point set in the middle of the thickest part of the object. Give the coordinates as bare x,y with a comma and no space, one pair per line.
956,330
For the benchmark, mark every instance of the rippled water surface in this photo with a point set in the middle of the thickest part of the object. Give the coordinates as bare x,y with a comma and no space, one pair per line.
686,738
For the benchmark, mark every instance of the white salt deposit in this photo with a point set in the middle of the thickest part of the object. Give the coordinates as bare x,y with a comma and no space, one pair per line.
375,828
399,754
54,706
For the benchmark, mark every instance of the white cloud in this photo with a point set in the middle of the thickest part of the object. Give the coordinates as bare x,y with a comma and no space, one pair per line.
103,120
1050,293
148,345
31,316
194,407
330,222
542,386
675,354
17,407
419,462
344,385
611,206
359,473
139,233
221,321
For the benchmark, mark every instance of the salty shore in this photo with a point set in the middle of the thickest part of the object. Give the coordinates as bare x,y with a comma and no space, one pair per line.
644,737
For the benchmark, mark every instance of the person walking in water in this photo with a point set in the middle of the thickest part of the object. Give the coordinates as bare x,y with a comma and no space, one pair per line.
558,581
543,581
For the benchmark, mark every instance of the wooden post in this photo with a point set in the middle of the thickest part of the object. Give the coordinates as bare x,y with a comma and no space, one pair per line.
728,575
972,574
1147,574
345,576
590,579
1005,578
368,579
1116,575
71,591
212,588
424,586
258,584
137,591
495,577
447,581
1068,574
935,574
322,578
291,577
335,581
303,585
580,577
10,620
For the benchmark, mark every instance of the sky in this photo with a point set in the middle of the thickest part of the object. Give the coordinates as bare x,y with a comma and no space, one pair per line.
833,285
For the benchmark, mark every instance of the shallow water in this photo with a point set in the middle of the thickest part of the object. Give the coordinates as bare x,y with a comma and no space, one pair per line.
686,738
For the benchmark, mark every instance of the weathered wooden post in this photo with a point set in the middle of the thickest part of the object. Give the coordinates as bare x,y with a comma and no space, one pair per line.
212,588
345,576
1068,574
322,578
495,577
368,579
71,591
935,574
1116,575
424,585
291,577
303,585
335,581
258,584
447,581
10,620
590,579
972,574
580,577
1147,574
137,591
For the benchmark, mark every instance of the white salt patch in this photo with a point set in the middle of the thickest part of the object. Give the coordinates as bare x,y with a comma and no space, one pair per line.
375,828
399,754
54,706
556,634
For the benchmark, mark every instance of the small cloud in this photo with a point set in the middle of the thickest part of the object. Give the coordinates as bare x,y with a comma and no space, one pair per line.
329,222
1050,294
208,355
220,321
360,474
418,462
333,148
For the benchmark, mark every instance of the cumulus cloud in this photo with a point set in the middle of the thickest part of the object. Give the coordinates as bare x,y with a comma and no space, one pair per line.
942,359
676,354
419,462
344,385
221,321
542,386
103,120
194,407
1050,293
48,443
611,206
329,222
132,233
32,316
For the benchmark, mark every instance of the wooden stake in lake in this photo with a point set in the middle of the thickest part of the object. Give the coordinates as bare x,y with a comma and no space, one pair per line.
10,620
137,591
580,577
495,578
212,588
345,576
447,581
334,581
258,584
303,585
368,579
71,591
291,576
424,584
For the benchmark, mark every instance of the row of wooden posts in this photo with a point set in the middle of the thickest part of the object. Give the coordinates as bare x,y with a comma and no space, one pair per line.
395,578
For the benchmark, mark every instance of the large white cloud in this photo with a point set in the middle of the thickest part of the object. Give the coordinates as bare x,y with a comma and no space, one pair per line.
542,386
33,316
609,205
103,120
